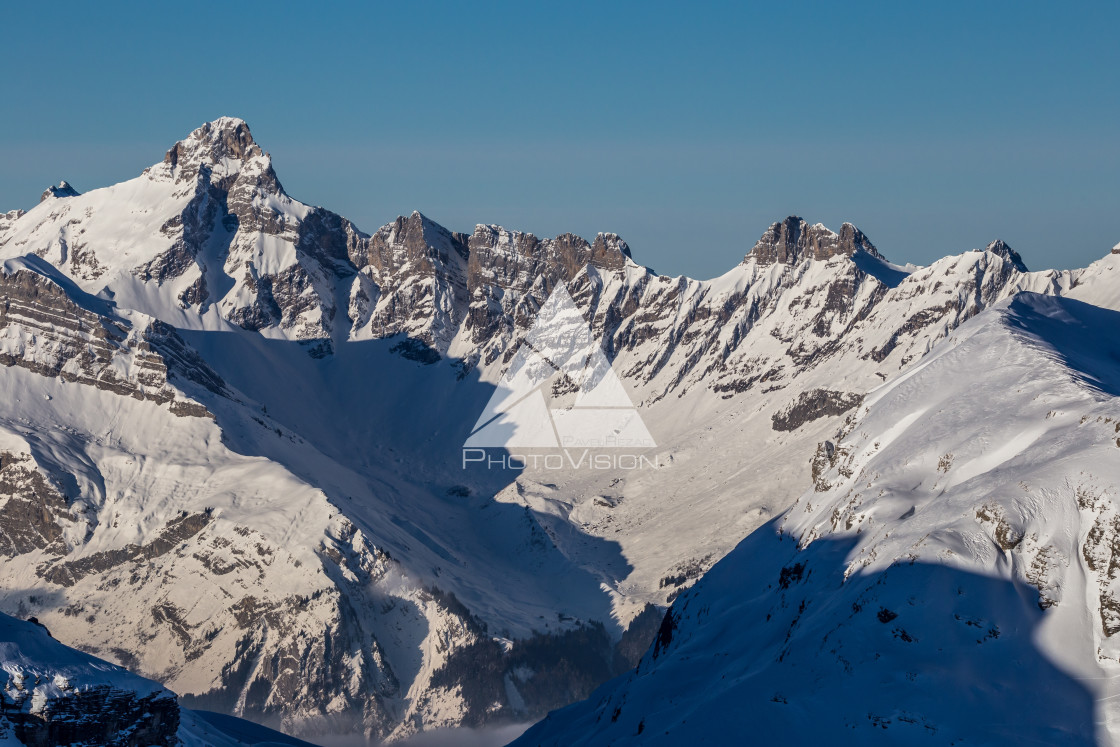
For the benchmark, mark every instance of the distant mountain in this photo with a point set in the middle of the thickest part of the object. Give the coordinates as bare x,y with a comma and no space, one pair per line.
231,440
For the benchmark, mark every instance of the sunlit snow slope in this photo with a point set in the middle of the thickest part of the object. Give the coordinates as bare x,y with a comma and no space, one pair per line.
951,578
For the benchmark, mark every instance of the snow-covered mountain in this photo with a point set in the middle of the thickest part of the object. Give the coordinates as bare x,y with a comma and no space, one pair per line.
950,578
232,427
53,694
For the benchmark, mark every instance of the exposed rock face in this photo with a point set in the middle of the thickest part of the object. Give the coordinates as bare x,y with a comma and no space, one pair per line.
793,239
174,534
511,273
283,257
53,695
31,508
813,405
823,460
102,716
43,330
1000,248
62,190
213,144
8,218
419,279
412,280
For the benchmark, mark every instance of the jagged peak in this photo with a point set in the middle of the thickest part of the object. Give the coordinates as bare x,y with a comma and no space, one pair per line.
419,233
225,137
1116,249
791,240
1000,248
427,223
62,190
222,148
607,251
493,234
416,223
498,233
611,242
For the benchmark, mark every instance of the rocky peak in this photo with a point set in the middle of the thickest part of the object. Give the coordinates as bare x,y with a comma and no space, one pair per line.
62,190
567,253
792,240
416,240
7,219
213,142
610,245
1116,249
222,149
1000,248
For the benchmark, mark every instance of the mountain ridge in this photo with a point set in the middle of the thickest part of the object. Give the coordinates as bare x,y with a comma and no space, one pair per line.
962,520
336,376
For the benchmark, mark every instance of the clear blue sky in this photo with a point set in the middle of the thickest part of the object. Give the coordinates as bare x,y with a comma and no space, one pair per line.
686,129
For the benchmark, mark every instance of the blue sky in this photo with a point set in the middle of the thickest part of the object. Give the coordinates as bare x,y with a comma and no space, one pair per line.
686,129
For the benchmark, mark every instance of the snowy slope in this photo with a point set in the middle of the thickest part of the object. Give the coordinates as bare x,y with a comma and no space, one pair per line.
269,428
171,532
208,231
1099,283
950,577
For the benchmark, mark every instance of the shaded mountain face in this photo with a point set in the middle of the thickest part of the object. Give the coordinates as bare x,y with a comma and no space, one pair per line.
1000,247
950,576
233,428
55,695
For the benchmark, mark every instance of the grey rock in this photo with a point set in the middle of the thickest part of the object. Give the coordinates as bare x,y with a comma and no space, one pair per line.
71,342
793,239
62,190
32,510
1000,248
813,405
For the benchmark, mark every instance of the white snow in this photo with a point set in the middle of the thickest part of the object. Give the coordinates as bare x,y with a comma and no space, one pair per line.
947,585
307,450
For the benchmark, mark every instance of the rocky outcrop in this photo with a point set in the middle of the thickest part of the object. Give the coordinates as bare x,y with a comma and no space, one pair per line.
98,715
45,331
31,507
813,405
8,218
218,144
793,240
52,695
171,536
1000,248
412,280
284,258
510,274
62,190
